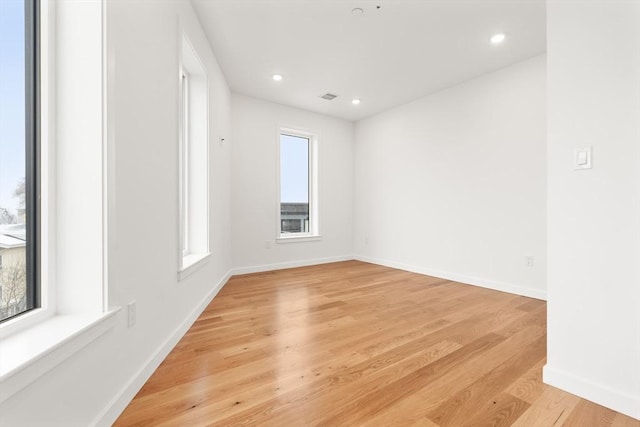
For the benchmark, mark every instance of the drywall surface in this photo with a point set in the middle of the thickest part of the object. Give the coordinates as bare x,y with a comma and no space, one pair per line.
594,214
254,194
454,184
94,385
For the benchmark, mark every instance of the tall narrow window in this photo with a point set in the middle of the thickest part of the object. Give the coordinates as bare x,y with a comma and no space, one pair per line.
194,158
184,165
19,290
297,204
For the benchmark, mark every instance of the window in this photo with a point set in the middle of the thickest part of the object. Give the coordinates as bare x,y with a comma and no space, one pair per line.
194,158
65,108
184,164
297,204
19,125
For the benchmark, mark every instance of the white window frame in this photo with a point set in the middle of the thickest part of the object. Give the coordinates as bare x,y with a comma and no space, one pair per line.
194,162
314,220
184,167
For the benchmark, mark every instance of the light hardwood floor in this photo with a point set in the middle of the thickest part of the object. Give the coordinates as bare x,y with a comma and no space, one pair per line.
351,344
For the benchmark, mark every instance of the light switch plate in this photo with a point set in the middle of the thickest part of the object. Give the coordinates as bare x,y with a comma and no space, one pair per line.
582,158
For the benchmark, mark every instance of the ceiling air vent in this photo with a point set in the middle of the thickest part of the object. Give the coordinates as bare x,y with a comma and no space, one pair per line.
329,96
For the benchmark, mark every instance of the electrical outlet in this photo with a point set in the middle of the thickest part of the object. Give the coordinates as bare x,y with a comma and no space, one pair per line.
529,261
267,244
366,241
131,313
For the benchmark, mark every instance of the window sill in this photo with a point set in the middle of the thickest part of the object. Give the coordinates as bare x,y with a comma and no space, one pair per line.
27,355
298,238
192,263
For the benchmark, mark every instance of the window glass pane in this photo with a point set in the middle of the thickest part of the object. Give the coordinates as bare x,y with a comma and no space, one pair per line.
13,270
294,184
184,167
194,158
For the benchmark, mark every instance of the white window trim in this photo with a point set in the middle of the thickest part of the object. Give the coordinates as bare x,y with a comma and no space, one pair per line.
35,342
184,155
27,355
299,237
190,260
314,220
193,262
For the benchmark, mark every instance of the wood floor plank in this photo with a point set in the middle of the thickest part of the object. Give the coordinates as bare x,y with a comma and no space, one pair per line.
296,408
351,344
551,409
623,421
529,386
588,414
421,403
357,411
466,403
500,411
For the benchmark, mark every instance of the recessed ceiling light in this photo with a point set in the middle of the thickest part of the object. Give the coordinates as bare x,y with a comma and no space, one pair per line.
277,77
498,38
357,11
355,101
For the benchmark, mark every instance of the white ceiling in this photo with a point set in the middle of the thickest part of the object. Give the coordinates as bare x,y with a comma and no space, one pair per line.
386,57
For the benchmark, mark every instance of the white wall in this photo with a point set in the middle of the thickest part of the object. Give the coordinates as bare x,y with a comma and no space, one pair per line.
254,146
95,383
594,215
453,184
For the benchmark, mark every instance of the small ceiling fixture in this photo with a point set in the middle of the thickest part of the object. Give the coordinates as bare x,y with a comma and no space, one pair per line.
355,101
357,11
498,38
329,96
277,77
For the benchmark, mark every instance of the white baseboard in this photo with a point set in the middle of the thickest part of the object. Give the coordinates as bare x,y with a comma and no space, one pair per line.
290,264
624,403
115,407
475,281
